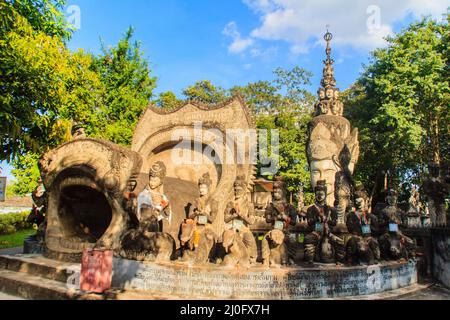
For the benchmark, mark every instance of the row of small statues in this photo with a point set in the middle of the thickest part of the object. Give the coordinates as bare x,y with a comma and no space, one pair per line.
301,237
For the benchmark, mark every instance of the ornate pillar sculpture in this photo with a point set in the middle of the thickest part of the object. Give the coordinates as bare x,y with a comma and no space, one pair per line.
333,147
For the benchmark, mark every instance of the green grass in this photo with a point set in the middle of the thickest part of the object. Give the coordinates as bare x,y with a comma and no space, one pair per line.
15,240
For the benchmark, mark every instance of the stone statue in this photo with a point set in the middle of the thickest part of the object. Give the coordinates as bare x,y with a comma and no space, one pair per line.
37,217
320,243
363,226
435,190
344,188
148,242
331,137
412,217
239,215
282,216
39,211
197,236
394,245
274,249
154,199
236,250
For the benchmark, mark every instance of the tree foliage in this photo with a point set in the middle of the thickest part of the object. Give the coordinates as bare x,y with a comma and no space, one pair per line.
401,105
127,88
45,87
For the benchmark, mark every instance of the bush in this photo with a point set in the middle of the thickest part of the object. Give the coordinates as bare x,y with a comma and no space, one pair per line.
12,222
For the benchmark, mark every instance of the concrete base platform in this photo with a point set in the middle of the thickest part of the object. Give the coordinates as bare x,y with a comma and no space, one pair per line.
35,277
296,283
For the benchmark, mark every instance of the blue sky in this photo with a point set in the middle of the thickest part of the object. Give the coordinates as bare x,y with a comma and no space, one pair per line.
234,42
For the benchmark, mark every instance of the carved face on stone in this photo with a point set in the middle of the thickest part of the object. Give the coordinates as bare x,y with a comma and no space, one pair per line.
239,190
391,199
324,170
154,182
321,94
360,204
330,93
203,189
278,194
336,94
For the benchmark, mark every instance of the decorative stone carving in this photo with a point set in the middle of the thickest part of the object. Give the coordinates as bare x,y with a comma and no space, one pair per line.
363,226
321,244
237,252
149,242
435,190
203,132
282,217
197,236
87,181
330,135
239,216
394,245
274,249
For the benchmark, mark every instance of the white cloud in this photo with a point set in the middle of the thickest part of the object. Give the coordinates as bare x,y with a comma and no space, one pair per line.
360,23
239,44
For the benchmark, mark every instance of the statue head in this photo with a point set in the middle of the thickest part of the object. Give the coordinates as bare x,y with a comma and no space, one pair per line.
278,189
321,93
392,197
204,184
329,93
240,186
361,199
321,192
157,175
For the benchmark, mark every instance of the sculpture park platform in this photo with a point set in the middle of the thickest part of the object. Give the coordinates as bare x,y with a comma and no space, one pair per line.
35,277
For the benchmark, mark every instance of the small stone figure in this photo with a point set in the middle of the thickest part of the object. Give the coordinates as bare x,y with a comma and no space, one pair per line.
274,249
197,236
412,218
282,216
37,217
147,246
148,242
237,252
435,191
393,244
362,246
239,215
321,244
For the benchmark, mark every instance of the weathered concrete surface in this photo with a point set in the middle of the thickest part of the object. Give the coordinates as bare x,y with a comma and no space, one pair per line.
35,277
441,255
260,283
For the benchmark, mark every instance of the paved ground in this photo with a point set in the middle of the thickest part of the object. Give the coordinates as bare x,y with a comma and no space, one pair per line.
4,296
436,292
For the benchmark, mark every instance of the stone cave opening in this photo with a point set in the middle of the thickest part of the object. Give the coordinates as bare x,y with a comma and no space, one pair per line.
84,212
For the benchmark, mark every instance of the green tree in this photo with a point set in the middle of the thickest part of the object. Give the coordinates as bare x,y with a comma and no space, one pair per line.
39,76
127,89
167,100
205,92
400,103
44,16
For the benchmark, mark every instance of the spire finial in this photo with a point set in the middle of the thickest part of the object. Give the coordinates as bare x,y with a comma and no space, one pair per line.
329,102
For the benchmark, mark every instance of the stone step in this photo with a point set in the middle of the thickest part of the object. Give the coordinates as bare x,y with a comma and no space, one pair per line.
34,287
37,265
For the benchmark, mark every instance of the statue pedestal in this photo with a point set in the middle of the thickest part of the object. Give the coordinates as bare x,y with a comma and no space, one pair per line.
201,282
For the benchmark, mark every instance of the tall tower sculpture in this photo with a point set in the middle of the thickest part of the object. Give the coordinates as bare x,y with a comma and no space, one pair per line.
333,147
